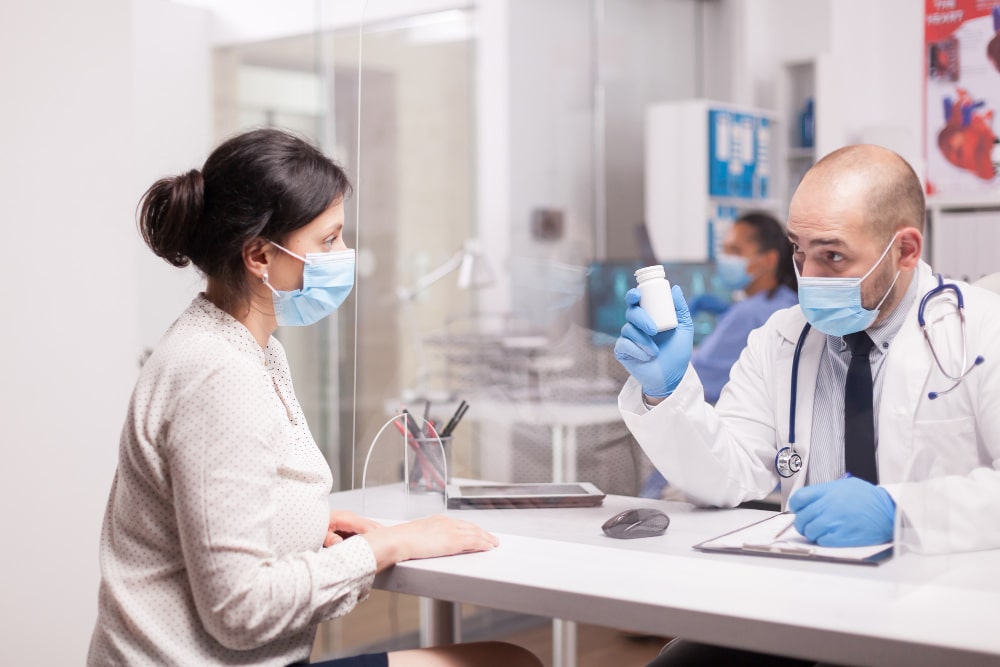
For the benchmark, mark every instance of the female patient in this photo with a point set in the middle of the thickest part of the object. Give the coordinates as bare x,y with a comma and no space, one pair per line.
218,546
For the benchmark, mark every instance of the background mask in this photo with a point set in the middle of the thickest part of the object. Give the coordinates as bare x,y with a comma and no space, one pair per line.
732,271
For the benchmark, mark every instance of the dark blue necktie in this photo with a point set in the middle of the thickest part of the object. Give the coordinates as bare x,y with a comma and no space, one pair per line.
859,413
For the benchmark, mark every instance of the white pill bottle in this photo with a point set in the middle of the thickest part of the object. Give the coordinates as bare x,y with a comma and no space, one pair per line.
655,297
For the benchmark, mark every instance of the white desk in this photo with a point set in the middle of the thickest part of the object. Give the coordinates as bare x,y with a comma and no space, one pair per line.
563,419
912,610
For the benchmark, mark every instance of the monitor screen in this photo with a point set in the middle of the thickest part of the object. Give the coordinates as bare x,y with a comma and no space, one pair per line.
607,283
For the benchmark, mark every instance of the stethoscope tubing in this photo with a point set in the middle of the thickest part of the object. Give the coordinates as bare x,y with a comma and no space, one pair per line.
939,289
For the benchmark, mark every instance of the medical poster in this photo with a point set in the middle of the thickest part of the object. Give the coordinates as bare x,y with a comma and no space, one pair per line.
962,67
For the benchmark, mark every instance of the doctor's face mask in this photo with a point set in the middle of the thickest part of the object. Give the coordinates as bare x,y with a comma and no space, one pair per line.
327,279
833,305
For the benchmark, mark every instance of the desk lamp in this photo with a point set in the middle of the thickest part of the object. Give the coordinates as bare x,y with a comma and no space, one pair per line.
474,272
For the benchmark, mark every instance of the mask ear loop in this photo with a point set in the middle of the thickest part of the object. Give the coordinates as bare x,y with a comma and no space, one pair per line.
894,279
263,279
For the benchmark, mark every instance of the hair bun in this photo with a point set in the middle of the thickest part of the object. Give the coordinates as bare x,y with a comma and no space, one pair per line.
169,212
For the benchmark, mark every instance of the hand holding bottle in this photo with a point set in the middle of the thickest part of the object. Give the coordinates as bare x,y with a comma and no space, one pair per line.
658,360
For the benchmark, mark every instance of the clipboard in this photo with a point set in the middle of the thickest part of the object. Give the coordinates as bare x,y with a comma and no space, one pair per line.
758,539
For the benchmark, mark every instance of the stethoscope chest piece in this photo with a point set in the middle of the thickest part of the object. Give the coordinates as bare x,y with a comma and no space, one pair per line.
787,462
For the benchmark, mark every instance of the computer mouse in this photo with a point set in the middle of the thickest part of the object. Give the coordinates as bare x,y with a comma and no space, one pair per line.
640,522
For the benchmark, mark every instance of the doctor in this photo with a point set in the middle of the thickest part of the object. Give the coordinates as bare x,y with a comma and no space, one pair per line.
855,223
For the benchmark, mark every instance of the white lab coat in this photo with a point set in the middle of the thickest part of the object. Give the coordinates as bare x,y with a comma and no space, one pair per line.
939,459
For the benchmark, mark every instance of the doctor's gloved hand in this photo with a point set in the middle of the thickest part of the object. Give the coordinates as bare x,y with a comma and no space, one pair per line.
657,360
848,512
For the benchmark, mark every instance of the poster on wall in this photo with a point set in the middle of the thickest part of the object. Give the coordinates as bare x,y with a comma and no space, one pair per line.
962,68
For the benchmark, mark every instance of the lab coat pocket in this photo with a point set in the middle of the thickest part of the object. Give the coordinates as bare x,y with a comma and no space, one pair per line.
943,447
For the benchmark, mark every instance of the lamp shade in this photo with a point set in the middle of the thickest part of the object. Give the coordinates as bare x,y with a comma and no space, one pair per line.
475,271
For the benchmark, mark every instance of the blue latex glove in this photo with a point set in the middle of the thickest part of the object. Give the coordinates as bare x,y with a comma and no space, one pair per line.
657,360
707,303
847,512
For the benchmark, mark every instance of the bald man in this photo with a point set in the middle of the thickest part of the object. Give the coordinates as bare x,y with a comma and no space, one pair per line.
880,429
883,430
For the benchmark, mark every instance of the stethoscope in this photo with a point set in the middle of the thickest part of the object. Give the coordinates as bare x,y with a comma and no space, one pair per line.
940,290
787,461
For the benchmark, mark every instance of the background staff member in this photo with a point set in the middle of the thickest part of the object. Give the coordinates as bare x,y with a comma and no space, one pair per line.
756,259
855,222
218,545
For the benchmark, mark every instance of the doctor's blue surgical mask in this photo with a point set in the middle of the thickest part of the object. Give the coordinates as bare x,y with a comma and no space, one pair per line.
327,279
833,305
732,271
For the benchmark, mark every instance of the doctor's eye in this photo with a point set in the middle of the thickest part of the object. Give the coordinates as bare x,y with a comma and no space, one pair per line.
834,257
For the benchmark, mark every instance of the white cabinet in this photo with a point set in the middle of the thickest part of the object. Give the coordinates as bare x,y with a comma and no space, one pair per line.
706,163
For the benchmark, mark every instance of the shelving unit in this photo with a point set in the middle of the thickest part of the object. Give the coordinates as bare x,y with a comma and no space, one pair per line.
797,86
706,163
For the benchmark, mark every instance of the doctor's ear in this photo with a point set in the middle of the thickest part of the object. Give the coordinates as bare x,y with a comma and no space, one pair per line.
911,245
257,256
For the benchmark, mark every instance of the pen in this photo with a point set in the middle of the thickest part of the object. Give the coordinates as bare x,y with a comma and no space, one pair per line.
789,526
426,468
786,528
427,413
451,422
457,418
411,424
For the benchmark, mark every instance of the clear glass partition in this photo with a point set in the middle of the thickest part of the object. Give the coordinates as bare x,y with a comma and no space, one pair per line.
497,152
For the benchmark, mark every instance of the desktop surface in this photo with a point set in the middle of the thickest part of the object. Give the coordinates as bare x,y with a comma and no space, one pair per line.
558,563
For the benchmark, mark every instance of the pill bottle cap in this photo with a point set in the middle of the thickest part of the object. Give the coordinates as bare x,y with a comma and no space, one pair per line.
650,273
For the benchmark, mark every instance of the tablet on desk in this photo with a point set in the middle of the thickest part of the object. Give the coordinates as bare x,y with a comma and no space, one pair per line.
498,496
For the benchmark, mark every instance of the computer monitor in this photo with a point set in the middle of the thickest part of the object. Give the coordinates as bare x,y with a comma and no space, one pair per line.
607,283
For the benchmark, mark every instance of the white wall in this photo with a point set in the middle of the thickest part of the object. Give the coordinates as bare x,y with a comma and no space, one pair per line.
875,49
69,334
69,172
172,96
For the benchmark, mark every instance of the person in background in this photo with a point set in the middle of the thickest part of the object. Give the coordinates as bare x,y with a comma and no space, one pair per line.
218,545
756,260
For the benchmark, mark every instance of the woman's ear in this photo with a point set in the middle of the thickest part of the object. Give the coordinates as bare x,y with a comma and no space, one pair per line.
911,245
257,257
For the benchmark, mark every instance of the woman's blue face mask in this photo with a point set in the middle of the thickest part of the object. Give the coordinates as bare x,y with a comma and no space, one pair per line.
732,271
327,279
833,305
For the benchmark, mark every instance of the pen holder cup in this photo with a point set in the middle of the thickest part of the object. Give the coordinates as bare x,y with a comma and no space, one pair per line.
429,467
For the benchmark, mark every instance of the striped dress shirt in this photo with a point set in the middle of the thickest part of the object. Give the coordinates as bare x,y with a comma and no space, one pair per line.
826,451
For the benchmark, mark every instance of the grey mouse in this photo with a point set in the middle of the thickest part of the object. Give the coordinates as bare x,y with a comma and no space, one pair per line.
641,522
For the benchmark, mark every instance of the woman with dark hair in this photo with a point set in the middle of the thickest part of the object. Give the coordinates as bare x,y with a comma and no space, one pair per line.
756,264
218,545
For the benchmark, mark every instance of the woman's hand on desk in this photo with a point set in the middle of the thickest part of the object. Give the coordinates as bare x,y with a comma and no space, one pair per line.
429,537
344,524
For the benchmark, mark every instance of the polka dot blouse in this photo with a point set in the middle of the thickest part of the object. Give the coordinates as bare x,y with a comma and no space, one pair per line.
211,550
